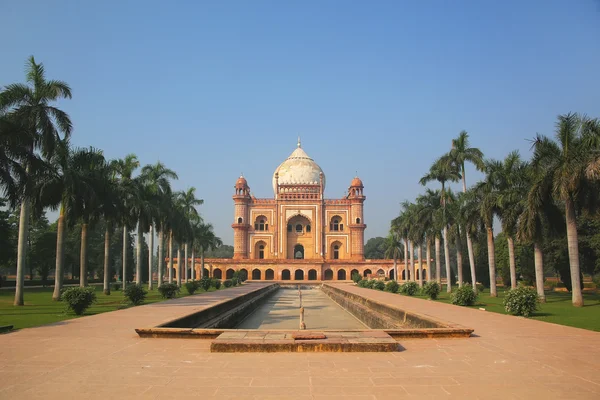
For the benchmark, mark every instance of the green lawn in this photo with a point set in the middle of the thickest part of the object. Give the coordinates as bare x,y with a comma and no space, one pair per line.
558,308
39,309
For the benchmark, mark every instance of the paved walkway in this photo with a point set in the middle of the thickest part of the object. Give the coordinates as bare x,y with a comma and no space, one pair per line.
282,311
101,357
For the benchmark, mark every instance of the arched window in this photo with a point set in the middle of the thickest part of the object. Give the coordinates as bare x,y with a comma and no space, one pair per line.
261,251
299,228
335,224
260,224
336,252
358,220
240,220
307,228
289,227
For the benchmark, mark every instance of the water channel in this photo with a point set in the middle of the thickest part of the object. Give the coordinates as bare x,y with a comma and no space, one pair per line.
282,311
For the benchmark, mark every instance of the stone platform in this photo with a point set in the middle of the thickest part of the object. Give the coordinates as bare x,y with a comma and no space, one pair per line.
253,341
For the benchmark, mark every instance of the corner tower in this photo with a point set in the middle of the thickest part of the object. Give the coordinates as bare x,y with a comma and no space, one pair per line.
241,224
356,223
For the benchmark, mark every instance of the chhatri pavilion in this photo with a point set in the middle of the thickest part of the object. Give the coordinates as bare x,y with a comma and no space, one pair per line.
298,234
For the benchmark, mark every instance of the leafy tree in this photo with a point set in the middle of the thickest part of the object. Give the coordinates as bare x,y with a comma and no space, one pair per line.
375,248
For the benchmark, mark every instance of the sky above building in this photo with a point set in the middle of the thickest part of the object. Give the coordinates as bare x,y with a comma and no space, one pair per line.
378,89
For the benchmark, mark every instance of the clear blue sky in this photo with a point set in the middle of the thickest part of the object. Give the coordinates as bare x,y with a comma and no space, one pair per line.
213,89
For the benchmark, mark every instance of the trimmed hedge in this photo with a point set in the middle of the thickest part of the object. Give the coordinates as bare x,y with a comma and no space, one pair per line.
464,296
432,290
409,288
78,299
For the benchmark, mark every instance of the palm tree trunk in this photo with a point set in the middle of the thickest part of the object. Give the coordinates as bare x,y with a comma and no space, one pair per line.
138,255
539,271
179,264
438,260
22,251
511,261
472,263
419,254
428,256
459,260
107,260
573,243
160,258
185,262
491,261
193,264
60,254
447,260
406,255
395,267
150,256
124,275
411,245
83,270
170,257
202,262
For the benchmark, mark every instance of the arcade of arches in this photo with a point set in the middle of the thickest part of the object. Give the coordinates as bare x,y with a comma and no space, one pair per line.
298,270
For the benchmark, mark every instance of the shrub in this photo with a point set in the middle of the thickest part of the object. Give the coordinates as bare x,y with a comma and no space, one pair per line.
216,283
409,288
78,299
551,285
135,294
227,283
371,283
392,287
363,283
205,283
432,290
168,290
378,285
480,287
521,301
356,277
116,287
464,296
191,287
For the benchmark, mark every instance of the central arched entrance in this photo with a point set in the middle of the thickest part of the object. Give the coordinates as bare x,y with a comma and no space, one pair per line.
256,274
285,275
298,252
312,274
328,275
299,275
341,275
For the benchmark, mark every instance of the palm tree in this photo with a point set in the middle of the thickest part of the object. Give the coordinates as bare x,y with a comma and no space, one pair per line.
393,249
189,203
443,170
111,210
31,105
472,224
456,222
157,179
431,218
512,188
540,217
66,183
461,153
566,163
205,239
417,237
124,169
88,205
485,198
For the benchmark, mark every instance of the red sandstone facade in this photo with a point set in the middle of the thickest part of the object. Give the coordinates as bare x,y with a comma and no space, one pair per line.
298,234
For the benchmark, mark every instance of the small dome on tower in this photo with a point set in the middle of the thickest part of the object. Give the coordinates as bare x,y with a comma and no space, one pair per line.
241,183
356,182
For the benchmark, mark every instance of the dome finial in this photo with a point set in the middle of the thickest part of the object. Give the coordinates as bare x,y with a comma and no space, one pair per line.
299,143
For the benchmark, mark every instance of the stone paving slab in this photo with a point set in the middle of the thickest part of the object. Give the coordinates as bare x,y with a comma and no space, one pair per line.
303,341
101,356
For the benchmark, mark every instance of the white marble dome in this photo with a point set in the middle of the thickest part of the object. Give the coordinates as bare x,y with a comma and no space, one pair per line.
298,169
